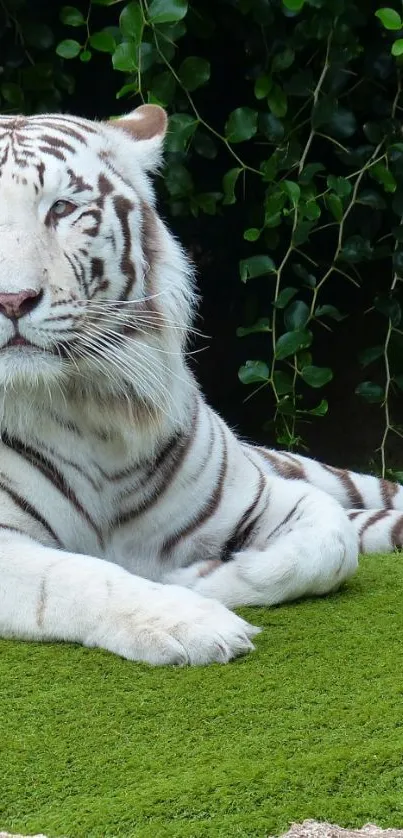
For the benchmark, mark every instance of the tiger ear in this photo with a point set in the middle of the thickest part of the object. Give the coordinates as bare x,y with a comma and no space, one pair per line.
147,126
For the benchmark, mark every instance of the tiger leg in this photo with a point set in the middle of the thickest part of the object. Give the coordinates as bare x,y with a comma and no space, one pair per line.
378,530
308,548
48,594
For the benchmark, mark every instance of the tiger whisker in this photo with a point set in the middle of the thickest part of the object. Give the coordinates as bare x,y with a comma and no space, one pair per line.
123,366
144,346
112,333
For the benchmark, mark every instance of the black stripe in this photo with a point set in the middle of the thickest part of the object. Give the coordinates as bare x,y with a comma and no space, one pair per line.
356,500
23,504
286,470
373,519
285,520
207,510
168,463
53,475
245,526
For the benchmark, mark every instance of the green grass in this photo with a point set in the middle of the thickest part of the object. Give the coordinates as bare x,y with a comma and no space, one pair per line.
310,726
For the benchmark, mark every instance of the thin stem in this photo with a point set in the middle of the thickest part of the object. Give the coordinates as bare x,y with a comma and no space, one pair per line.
316,93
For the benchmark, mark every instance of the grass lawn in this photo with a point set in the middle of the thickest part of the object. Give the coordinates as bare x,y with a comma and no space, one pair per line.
309,726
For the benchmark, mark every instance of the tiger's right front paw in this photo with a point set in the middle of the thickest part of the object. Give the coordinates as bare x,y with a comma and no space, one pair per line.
173,625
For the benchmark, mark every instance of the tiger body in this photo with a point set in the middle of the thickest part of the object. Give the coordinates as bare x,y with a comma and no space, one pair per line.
131,517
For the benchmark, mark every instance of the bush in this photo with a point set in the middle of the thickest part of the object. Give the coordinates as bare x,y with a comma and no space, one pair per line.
285,113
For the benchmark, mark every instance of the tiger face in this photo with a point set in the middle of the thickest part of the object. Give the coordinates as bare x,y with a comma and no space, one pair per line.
91,282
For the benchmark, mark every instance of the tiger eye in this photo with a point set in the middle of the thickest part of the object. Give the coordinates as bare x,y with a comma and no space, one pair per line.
62,208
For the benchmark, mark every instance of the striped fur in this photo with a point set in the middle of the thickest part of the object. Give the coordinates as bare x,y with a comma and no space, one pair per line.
130,514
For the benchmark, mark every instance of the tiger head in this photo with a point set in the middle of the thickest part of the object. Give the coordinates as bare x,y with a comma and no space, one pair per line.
93,288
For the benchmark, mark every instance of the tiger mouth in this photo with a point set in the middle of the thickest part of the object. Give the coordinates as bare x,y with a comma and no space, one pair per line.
18,341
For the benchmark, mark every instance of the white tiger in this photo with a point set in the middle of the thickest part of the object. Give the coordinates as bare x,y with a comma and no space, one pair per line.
130,514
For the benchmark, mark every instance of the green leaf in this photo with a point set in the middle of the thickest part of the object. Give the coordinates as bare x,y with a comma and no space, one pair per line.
252,234
125,57
292,190
284,297
389,18
390,307
398,233
356,249
254,372
334,205
308,278
373,132
296,315
204,145
103,41
291,342
269,168
277,101
181,128
370,392
167,11
12,93
300,84
146,55
301,232
329,311
194,72
311,210
131,22
127,88
207,201
38,35
228,184
285,406
85,56
271,127
316,376
178,180
68,48
397,47
341,186
384,176
241,125
283,382
256,266
283,60
342,123
372,353
163,86
261,325
309,171
322,112
71,16
294,5
320,410
371,198
262,86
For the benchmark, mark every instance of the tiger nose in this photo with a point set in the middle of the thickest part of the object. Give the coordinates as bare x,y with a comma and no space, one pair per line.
15,306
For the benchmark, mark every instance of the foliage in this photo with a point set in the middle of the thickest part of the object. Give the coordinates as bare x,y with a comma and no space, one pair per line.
309,149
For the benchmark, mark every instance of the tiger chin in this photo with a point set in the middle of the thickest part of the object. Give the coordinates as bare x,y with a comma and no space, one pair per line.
131,517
